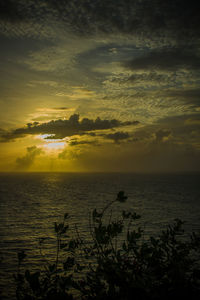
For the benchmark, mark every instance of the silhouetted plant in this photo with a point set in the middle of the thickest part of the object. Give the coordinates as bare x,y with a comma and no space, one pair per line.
117,264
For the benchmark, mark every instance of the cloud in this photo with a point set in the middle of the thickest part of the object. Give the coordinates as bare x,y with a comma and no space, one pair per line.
59,129
176,120
117,136
49,83
161,135
152,94
76,142
61,108
126,79
26,161
11,10
149,77
7,136
188,95
145,156
165,59
27,18
70,155
172,129
175,19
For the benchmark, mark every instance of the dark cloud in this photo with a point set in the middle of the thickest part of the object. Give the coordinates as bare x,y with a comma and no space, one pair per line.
26,161
11,10
152,76
83,142
91,133
117,136
63,128
6,136
165,59
161,134
172,17
185,129
146,156
190,96
179,119
175,18
61,108
146,79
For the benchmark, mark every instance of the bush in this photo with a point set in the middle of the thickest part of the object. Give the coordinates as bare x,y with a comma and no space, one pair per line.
118,263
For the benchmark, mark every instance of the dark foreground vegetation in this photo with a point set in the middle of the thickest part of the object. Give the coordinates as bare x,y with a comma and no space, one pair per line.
118,263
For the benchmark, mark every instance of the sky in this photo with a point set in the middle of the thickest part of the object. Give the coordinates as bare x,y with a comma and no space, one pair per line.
99,86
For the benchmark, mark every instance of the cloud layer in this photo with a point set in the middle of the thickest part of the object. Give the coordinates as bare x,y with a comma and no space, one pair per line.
166,60
175,19
120,60
59,129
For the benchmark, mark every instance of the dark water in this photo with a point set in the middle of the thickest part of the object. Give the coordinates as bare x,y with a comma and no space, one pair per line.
30,203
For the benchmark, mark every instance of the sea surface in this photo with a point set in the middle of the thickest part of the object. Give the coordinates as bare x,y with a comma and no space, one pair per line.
30,203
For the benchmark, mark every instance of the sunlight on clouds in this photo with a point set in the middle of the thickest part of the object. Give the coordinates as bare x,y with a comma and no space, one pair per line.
51,143
55,146
47,114
126,62
81,93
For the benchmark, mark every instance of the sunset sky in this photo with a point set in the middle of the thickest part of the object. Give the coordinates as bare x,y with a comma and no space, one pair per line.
99,85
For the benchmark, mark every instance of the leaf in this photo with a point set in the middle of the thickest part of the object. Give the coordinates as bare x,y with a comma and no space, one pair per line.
124,246
69,263
63,245
21,255
154,242
73,244
79,267
66,216
52,268
33,280
60,227
65,228
27,275
55,227
196,274
135,216
125,214
121,197
41,240
96,215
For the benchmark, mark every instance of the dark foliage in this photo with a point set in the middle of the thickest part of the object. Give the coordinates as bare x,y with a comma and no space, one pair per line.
118,263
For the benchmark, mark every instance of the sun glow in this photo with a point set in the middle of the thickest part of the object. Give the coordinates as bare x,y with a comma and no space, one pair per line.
55,146
51,143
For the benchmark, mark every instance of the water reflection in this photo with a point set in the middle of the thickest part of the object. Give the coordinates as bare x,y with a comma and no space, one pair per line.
31,203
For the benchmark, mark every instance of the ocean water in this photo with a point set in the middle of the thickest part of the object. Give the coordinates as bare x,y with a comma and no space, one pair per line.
31,203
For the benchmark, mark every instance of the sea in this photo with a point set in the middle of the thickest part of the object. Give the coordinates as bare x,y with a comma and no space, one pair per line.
30,203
